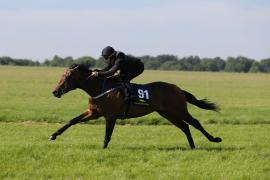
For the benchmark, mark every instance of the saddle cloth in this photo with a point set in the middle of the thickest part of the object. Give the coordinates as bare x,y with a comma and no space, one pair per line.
141,93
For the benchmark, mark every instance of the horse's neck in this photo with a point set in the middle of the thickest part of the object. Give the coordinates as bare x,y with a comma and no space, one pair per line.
95,86
92,87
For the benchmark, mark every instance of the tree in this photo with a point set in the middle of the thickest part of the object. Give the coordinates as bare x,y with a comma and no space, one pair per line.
255,67
163,62
170,65
152,64
100,63
220,63
57,61
239,64
146,58
209,65
191,63
18,62
164,58
89,61
265,65
5,60
68,61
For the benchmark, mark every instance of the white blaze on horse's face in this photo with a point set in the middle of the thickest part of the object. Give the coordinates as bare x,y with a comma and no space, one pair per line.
65,84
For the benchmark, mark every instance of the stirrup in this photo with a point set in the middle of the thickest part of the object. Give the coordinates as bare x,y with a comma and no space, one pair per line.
126,93
126,108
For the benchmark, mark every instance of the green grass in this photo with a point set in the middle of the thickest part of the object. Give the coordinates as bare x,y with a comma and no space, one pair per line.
25,95
29,114
135,152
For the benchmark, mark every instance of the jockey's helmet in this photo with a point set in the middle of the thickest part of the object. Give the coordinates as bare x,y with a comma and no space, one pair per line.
108,52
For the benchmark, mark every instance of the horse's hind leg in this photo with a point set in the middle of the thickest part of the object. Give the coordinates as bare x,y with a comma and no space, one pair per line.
180,124
195,123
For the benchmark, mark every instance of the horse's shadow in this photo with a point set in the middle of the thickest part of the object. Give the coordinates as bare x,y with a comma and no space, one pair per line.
220,149
209,149
178,148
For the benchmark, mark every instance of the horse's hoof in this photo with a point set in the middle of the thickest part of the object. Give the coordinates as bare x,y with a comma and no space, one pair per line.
217,139
52,138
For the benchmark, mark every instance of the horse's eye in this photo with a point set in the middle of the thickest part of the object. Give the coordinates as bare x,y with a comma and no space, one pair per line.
67,77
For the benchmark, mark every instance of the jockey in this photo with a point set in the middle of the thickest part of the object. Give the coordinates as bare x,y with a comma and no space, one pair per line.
128,66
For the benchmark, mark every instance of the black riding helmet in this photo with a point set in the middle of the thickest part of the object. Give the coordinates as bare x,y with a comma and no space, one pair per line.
108,52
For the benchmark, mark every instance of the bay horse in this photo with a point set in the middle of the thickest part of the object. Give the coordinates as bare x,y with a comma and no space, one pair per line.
167,99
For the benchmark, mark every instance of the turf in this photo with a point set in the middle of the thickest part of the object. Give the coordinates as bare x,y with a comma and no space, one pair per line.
29,114
135,152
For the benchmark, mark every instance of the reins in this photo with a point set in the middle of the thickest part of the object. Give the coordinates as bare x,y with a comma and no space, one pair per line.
106,92
103,86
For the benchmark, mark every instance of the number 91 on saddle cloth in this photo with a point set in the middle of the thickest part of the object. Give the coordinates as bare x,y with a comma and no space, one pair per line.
142,94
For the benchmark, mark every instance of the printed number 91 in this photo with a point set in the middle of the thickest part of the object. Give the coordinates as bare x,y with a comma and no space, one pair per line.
143,94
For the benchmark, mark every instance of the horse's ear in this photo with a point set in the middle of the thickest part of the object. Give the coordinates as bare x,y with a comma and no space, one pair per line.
76,67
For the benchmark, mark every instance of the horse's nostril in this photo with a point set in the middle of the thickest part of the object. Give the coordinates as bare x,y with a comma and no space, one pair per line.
55,93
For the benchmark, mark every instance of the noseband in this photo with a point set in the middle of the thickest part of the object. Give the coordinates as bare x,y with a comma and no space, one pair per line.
64,89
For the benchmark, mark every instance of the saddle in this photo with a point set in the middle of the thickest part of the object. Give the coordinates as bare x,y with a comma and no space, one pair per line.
135,94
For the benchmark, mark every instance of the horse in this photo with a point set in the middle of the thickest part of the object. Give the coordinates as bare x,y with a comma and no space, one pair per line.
167,99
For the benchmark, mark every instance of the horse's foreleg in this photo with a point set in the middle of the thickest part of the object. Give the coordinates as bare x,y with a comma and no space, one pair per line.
110,123
86,116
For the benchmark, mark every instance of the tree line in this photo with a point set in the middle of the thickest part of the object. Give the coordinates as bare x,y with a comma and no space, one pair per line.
160,62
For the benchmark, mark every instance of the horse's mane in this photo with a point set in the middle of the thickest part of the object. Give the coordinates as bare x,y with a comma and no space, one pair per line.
85,68
81,67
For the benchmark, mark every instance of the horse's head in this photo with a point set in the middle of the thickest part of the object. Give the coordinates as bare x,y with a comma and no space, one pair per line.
71,79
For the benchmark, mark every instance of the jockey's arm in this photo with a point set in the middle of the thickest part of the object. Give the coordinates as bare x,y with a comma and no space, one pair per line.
104,69
111,71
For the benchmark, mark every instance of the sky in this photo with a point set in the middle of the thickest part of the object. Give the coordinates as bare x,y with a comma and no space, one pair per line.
40,29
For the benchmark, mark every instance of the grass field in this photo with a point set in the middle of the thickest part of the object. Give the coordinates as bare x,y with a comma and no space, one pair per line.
25,95
135,152
29,114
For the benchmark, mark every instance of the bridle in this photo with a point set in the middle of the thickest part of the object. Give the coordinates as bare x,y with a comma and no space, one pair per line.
64,88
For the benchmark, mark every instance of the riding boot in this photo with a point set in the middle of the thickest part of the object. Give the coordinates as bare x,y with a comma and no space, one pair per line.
128,97
129,90
126,93
126,108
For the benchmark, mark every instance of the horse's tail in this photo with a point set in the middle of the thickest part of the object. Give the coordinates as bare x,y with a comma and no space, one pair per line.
204,103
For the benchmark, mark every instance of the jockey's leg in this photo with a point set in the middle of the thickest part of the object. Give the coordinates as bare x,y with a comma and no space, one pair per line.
127,98
128,90
126,108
